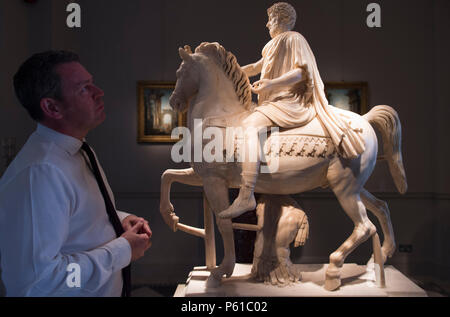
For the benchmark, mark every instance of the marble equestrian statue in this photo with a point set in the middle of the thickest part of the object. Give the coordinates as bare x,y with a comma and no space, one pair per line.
216,92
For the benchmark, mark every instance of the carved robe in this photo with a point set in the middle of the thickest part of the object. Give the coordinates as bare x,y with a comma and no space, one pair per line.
290,107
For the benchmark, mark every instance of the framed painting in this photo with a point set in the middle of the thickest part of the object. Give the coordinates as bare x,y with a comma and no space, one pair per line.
348,96
156,118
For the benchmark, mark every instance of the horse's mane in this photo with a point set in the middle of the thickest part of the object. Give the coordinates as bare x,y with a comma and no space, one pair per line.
227,61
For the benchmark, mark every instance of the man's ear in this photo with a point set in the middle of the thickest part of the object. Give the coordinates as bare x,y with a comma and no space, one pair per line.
51,108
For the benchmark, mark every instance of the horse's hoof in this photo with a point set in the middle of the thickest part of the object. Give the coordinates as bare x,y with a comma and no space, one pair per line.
332,284
213,281
228,271
332,279
388,251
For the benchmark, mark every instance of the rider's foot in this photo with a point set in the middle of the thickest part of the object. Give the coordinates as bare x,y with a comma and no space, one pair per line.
243,203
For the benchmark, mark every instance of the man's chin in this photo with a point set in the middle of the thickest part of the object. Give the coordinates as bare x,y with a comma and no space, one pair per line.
100,119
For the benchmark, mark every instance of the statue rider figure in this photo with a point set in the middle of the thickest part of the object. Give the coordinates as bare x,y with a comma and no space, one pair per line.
290,94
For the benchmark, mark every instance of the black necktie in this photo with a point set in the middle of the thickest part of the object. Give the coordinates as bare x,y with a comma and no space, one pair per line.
126,272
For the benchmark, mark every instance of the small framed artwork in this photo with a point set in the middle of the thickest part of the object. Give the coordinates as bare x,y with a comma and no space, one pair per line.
348,96
156,118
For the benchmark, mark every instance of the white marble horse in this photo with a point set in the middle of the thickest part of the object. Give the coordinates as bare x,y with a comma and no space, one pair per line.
213,88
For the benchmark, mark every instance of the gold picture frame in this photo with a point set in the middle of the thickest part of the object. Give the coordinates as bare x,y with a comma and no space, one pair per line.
353,96
156,118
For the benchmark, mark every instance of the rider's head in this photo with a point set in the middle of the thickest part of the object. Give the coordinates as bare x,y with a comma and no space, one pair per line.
284,14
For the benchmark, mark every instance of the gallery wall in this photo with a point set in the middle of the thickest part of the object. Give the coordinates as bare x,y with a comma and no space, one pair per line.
405,63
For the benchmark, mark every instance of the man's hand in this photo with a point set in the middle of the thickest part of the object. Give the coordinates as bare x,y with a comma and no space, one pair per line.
285,81
262,85
139,242
132,220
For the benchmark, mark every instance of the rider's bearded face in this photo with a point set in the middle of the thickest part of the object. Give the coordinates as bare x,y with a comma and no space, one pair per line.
274,26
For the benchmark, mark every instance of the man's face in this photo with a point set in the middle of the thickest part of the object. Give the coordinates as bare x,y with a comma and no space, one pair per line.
82,104
273,25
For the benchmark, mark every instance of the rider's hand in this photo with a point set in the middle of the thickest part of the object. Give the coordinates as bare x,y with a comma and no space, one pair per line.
262,85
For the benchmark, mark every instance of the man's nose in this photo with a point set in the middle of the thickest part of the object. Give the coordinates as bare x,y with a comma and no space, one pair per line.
98,92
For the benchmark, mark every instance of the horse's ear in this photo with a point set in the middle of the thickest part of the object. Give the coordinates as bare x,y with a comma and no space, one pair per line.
188,49
185,56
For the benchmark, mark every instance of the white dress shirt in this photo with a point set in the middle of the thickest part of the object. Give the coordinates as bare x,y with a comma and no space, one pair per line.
52,214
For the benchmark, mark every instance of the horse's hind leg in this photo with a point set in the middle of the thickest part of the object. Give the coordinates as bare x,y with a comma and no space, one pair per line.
216,191
346,189
381,210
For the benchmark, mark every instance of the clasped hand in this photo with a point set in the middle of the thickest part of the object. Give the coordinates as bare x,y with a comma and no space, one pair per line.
132,220
138,234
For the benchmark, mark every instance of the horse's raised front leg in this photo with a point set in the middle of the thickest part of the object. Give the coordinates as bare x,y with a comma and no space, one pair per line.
216,191
184,176
381,210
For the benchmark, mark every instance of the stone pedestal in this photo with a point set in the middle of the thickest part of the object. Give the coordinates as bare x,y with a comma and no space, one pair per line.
357,281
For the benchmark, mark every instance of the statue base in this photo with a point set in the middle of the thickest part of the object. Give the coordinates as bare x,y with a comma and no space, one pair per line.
357,281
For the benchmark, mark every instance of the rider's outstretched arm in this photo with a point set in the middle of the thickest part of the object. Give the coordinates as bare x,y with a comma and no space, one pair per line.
253,69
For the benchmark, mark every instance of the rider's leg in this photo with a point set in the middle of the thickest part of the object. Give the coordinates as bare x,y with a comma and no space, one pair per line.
250,165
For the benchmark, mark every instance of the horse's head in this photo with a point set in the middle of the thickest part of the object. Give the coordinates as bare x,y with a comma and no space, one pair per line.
202,68
187,80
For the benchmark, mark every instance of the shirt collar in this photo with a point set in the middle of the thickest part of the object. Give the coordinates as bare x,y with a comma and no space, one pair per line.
66,142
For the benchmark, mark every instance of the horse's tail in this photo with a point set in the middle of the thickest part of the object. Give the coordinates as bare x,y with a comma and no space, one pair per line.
387,121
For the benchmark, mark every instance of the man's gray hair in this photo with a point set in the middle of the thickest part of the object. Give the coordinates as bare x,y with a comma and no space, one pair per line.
285,12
